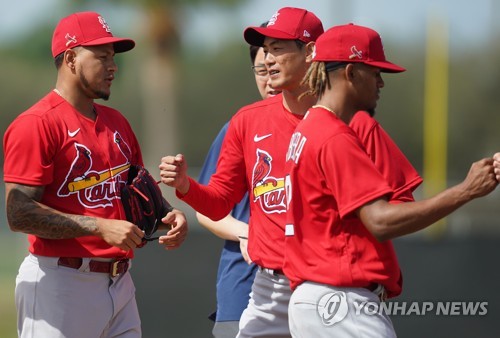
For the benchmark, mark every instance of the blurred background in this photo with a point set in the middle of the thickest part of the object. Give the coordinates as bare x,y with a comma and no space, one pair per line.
190,72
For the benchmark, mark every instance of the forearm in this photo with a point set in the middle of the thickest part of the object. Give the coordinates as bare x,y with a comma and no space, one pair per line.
213,202
228,228
25,214
395,220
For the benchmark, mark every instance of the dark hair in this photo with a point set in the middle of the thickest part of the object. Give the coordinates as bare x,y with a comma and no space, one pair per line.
58,60
300,44
255,49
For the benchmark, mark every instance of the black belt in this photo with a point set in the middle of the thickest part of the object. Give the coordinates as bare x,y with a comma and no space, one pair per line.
274,272
114,268
372,287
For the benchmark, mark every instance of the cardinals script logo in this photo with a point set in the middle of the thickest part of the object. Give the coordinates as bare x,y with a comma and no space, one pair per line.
267,189
95,188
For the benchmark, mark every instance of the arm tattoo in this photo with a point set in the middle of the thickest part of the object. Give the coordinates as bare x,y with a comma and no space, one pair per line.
26,214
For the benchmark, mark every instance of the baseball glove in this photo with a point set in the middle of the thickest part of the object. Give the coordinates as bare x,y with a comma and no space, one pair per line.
143,202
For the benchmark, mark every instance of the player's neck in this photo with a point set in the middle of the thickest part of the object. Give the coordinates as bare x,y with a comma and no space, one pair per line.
335,106
295,105
84,107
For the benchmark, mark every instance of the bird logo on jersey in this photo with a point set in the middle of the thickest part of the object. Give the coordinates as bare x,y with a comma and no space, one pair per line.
80,169
267,189
123,146
262,168
95,188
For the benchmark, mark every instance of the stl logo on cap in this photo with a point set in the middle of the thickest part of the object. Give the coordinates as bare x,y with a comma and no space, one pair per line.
104,24
273,19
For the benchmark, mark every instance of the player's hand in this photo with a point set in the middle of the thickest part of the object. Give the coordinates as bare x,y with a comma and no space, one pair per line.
244,249
122,234
496,165
481,179
178,232
173,172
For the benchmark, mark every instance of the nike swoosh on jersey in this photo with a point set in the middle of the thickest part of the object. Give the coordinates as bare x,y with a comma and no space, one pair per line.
73,133
258,138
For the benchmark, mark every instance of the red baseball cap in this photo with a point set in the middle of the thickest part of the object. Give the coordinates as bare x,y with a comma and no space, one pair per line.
288,23
353,43
86,29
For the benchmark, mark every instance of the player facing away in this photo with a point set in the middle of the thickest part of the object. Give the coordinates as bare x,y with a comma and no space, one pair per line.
340,217
235,276
66,158
252,160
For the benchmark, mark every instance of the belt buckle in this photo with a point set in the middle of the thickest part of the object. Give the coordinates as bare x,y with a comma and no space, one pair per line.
381,292
383,295
272,272
114,267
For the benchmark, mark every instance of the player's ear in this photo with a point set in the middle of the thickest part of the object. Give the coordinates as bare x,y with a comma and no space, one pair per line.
349,71
69,58
310,51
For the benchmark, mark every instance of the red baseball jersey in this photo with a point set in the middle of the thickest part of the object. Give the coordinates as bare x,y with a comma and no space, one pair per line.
252,159
81,163
388,158
330,177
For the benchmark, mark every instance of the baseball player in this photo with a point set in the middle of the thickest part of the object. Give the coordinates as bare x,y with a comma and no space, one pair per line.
340,219
252,160
235,276
401,175
66,159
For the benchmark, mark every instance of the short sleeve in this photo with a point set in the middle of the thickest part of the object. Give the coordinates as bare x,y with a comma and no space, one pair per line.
28,151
